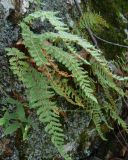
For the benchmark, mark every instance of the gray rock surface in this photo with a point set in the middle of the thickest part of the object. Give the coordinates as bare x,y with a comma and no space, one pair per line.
7,5
39,145
8,36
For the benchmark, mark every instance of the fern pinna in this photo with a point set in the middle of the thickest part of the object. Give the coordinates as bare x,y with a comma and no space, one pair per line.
47,77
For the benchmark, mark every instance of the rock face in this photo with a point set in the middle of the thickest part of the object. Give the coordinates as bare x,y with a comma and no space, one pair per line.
38,145
8,36
56,5
7,5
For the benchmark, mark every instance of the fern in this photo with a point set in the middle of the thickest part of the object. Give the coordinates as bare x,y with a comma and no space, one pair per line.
36,84
105,76
51,16
66,59
44,79
115,116
45,107
18,117
92,20
122,64
63,89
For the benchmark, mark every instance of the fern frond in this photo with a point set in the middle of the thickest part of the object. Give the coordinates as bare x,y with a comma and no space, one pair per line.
69,61
49,15
62,88
37,84
91,20
120,78
99,60
97,121
89,48
32,42
80,76
105,76
73,51
45,108
48,58
116,117
108,95
99,118
17,62
72,64
98,63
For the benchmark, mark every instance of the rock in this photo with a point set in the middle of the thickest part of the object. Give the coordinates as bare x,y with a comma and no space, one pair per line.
24,6
71,2
69,147
7,4
9,34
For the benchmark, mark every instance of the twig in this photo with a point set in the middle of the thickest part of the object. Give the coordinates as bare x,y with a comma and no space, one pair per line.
92,37
112,43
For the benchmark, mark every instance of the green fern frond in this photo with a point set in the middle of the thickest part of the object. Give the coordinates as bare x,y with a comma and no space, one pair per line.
105,76
74,52
66,59
89,48
46,109
108,95
37,84
98,118
116,117
48,57
80,76
17,62
120,78
72,64
49,15
92,20
98,62
97,121
62,88
11,121
33,43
